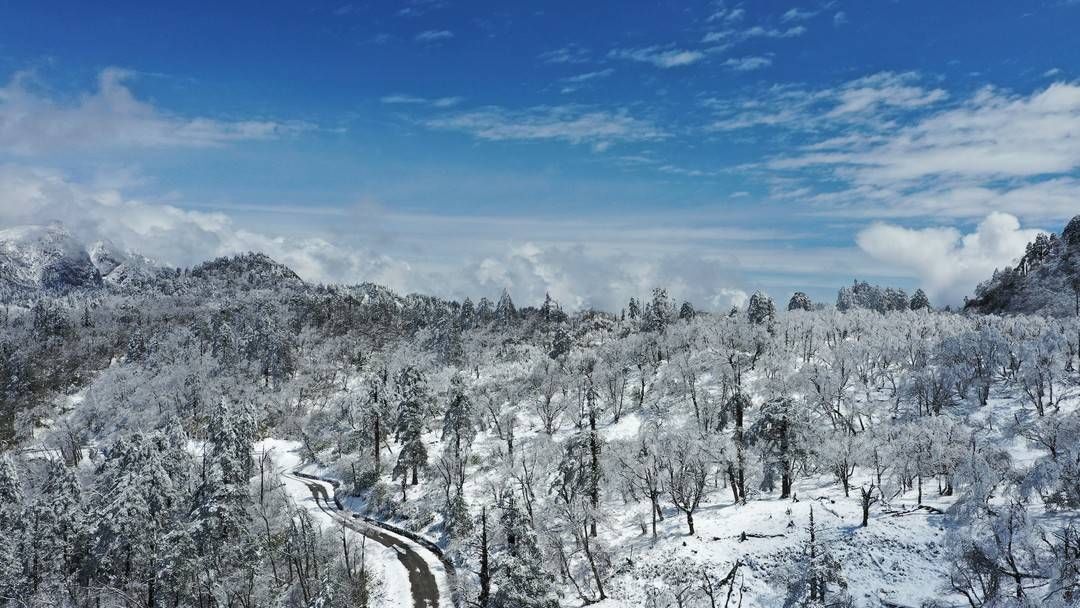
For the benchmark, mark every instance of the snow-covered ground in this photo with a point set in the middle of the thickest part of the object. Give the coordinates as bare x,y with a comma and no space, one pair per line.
380,559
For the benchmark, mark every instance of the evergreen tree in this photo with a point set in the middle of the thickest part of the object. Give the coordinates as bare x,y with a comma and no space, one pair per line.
817,580
686,311
468,314
412,391
761,310
458,425
800,301
919,301
505,312
548,308
519,575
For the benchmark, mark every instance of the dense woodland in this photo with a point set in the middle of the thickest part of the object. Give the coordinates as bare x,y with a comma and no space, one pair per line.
521,439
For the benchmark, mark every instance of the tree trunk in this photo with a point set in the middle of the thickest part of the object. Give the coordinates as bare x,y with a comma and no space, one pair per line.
485,572
378,440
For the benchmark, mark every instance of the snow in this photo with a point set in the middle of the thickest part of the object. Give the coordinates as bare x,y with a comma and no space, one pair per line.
39,256
626,428
397,591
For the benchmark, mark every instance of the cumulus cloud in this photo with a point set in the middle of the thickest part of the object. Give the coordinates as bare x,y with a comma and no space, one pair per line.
111,116
947,263
568,123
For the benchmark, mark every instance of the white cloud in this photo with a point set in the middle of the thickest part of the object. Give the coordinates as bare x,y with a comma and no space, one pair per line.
587,76
660,57
870,101
434,35
174,235
761,32
579,278
993,135
571,53
405,99
112,117
947,263
731,15
797,14
568,123
747,64
600,261
840,18
733,36
885,89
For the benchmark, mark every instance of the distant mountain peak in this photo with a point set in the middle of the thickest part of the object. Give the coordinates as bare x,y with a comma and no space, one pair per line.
251,269
45,257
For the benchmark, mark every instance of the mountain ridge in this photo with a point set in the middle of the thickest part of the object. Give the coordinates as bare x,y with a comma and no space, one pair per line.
1045,280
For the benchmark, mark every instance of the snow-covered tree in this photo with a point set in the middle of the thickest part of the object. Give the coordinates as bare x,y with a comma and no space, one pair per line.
800,301
761,309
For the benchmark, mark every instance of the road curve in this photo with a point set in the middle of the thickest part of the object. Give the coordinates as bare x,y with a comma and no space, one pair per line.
422,582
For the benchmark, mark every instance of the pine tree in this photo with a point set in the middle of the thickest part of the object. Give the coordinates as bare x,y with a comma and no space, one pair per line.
548,308
686,311
659,312
505,312
458,423
412,392
919,301
519,571
800,301
815,574
761,310
468,314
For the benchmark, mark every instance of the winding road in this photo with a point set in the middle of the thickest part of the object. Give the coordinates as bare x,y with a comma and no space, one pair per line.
419,568
422,581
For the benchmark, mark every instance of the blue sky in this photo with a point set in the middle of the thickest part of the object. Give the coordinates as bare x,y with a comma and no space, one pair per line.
592,150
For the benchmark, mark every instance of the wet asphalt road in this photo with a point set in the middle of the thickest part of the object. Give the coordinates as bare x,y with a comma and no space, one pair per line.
425,590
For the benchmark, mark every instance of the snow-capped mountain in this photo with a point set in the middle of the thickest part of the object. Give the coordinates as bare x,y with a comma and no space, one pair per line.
120,267
45,257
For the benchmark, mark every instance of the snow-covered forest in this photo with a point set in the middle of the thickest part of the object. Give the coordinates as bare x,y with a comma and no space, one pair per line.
875,452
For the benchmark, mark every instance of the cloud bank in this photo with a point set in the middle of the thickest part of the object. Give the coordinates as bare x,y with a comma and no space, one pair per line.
429,254
947,263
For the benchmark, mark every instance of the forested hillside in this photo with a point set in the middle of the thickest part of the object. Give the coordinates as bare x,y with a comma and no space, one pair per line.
1046,280
653,456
